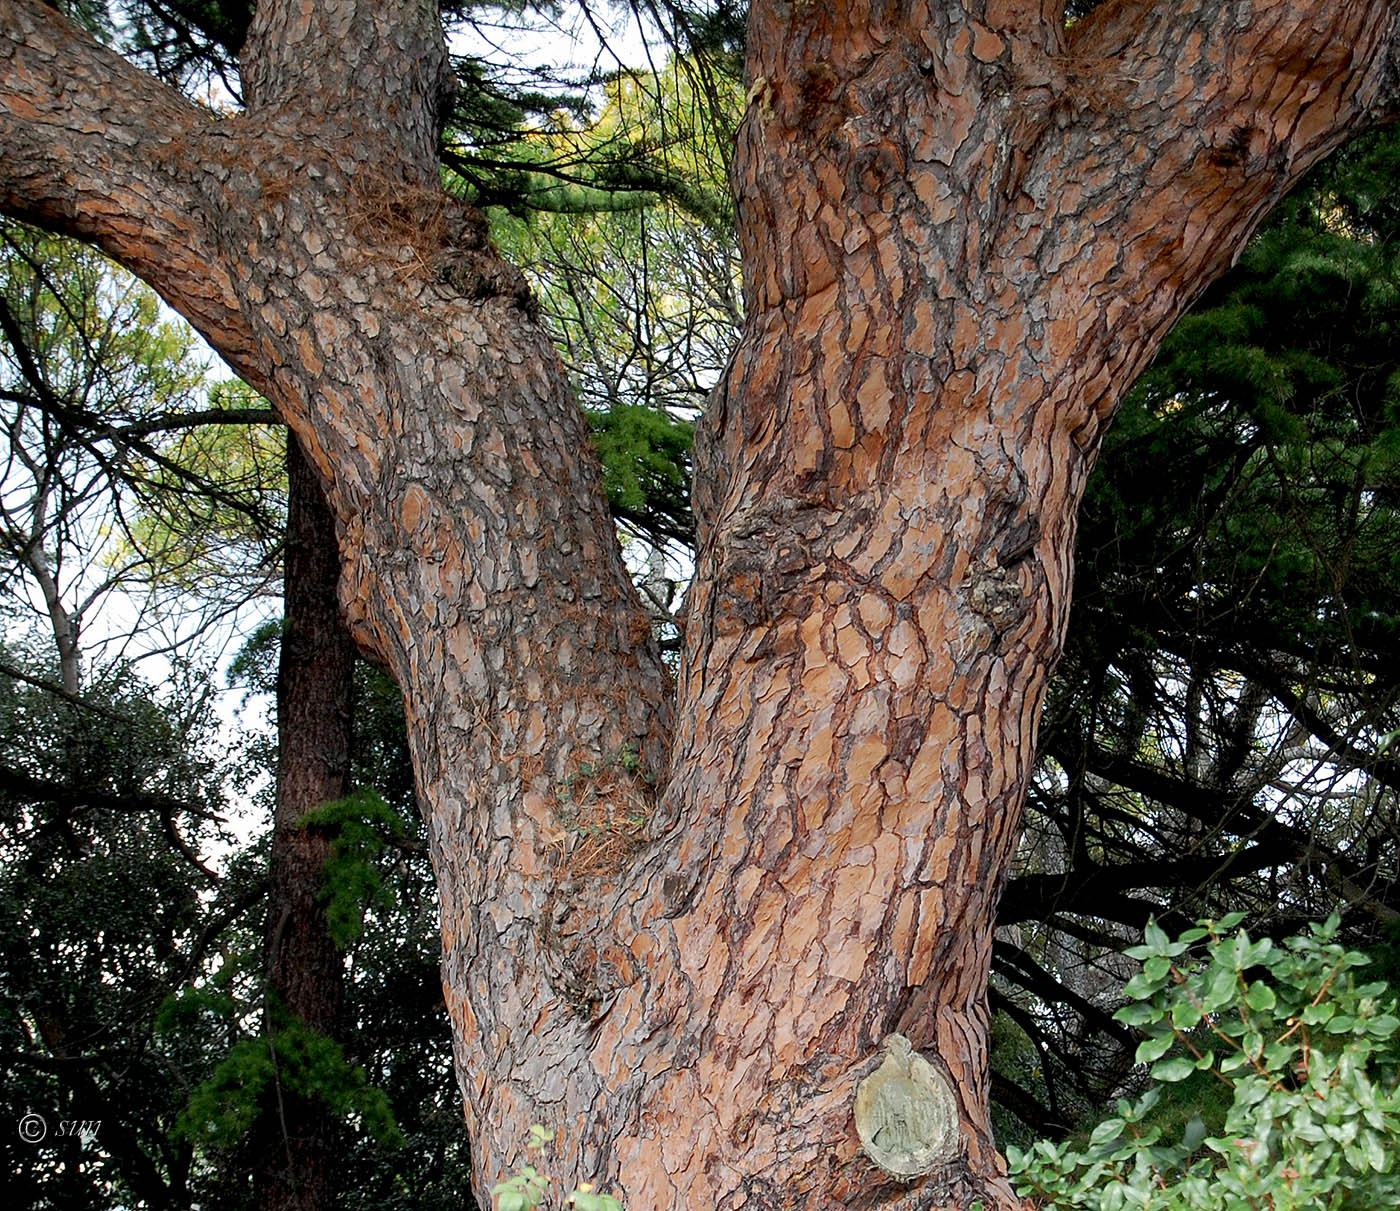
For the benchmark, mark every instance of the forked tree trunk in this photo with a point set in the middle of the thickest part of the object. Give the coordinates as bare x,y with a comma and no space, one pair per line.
295,1137
963,237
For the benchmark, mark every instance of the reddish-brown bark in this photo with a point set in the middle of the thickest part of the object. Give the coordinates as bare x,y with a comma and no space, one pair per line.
964,232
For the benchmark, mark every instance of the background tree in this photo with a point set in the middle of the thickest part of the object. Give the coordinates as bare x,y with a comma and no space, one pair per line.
102,918
111,789
295,1142
102,405
380,902
132,974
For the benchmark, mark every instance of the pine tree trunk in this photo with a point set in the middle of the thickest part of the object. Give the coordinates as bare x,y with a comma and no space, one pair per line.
294,1146
964,234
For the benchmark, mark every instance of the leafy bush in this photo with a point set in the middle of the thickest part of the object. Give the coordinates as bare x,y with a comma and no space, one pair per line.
1309,1053
527,1189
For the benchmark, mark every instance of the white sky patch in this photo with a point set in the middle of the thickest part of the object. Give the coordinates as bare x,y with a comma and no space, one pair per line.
573,38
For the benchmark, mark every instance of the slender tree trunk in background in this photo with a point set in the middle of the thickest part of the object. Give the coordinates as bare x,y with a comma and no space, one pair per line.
965,231
294,1140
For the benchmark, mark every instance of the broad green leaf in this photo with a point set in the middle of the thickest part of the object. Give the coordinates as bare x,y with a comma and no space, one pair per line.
1176,1069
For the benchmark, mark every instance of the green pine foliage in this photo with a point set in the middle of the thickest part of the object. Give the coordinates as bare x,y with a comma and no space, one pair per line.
360,826
645,454
292,1061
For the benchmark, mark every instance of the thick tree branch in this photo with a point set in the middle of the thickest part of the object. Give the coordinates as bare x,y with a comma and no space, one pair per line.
1183,124
354,69
100,151
1101,890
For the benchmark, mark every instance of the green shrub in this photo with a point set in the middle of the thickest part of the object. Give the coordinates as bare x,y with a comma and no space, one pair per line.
1310,1056
527,1189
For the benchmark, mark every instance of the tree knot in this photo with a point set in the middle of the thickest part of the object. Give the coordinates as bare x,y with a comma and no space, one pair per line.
906,1114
